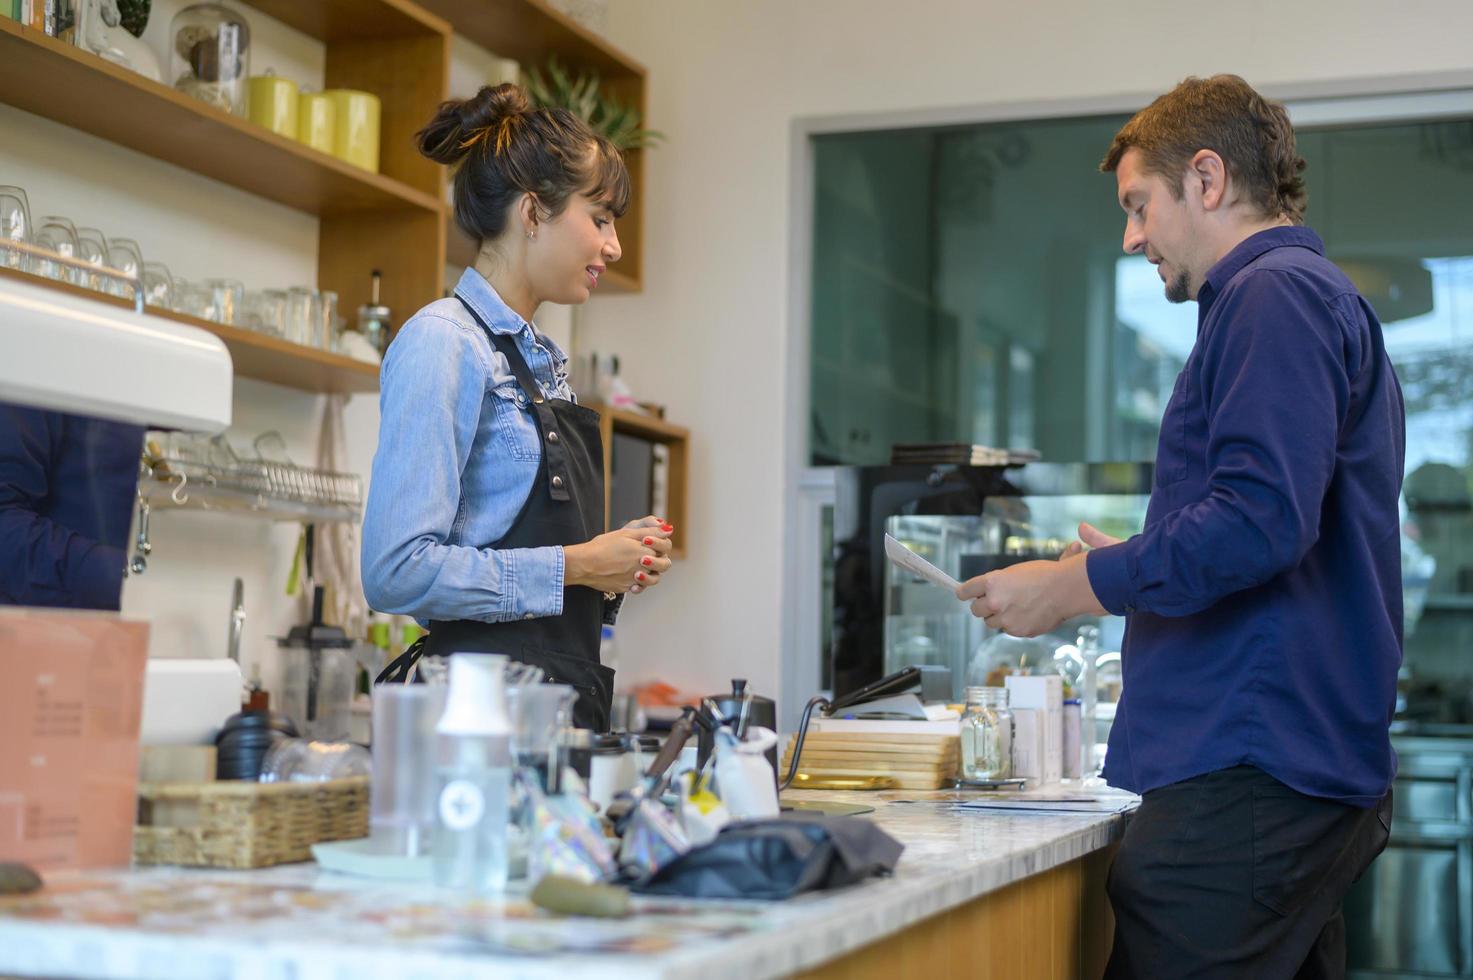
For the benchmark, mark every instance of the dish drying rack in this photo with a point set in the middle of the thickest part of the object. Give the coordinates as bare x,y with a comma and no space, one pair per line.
273,489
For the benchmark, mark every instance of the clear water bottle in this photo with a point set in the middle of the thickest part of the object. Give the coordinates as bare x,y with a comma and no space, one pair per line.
608,653
987,735
474,777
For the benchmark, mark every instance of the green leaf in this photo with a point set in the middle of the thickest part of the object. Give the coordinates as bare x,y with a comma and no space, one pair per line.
580,95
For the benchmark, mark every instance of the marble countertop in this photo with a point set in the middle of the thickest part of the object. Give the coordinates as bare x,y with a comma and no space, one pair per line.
302,923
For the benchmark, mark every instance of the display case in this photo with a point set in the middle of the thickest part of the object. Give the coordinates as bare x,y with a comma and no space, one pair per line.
967,520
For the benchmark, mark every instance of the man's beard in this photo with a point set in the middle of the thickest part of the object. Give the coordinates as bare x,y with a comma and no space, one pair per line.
1179,288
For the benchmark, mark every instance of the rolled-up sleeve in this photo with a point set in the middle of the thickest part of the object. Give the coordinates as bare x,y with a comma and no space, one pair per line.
1275,384
433,384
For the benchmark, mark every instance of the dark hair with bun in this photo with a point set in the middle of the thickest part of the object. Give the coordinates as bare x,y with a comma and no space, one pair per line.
503,147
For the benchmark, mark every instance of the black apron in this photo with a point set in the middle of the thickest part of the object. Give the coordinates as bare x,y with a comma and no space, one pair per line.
565,506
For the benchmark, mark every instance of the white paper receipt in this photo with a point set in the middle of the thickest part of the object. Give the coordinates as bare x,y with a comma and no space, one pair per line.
912,562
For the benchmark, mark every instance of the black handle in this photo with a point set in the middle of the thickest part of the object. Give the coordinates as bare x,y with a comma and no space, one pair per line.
670,751
901,680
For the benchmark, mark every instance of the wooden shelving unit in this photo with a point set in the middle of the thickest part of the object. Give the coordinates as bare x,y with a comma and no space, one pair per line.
530,32
53,79
393,221
255,355
677,441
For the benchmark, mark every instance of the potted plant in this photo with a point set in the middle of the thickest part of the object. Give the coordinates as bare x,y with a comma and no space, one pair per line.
616,122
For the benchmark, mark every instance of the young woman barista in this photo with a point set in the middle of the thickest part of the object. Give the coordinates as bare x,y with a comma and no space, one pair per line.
485,514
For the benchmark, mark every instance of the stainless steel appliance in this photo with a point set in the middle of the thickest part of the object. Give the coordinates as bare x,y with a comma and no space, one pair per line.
1411,915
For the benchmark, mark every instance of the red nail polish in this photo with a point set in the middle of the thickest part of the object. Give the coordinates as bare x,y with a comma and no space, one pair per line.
640,576
646,561
667,528
648,542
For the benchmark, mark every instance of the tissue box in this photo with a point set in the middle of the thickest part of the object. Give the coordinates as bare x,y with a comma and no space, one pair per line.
1044,694
1028,744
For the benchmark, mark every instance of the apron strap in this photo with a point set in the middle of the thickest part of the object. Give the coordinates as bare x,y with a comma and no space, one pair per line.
552,443
401,667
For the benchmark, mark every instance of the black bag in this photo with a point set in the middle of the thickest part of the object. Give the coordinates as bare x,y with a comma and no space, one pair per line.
775,859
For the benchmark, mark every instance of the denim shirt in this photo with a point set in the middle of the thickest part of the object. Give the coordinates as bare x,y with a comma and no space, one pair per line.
1264,595
458,449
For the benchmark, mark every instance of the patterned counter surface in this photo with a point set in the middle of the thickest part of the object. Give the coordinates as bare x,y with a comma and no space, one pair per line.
302,923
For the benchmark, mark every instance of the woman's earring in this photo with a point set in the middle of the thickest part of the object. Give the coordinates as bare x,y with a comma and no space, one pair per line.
531,236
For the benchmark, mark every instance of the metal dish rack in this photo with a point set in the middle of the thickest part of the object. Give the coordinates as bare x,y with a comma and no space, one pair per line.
276,491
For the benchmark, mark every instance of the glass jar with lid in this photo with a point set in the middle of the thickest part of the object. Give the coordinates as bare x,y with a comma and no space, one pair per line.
987,735
210,57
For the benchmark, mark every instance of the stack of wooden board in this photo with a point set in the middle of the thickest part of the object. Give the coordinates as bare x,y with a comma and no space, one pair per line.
920,761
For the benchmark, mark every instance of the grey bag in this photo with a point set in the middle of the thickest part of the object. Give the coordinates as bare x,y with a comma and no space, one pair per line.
775,859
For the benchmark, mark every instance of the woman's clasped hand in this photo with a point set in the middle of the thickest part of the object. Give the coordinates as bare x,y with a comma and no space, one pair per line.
630,559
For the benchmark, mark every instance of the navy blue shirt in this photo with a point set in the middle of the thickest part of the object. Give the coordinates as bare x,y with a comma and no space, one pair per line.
1263,597
67,486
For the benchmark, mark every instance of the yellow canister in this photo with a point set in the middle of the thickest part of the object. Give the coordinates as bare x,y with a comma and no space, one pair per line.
273,104
356,129
316,120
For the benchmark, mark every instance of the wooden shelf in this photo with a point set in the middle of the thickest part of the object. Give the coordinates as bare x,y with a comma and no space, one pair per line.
255,355
53,79
352,20
677,438
531,30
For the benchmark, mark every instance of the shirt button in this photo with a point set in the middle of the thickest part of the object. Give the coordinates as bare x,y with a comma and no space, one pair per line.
557,481
1129,610
552,437
528,616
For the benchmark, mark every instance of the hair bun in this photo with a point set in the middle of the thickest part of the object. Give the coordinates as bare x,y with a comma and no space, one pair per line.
491,105
447,137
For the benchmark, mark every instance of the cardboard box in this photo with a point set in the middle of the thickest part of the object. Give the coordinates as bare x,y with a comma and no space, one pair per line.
70,709
1045,694
1028,745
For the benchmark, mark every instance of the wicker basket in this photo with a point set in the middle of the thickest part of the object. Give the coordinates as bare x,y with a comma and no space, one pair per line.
232,824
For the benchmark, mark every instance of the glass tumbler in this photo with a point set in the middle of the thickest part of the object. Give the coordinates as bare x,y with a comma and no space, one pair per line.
302,314
124,255
225,300
539,713
59,235
92,249
15,226
327,315
158,286
403,800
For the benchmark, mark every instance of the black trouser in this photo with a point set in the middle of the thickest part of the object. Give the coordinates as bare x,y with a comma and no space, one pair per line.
1234,874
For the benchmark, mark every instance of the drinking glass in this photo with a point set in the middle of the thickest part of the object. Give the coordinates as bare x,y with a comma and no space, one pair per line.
124,255
302,306
225,296
92,249
59,235
327,315
191,299
272,308
15,226
158,285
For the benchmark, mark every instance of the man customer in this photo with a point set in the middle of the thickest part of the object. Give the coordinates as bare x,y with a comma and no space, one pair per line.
1263,596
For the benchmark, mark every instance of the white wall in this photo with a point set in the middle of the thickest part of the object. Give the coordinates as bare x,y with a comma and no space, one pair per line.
709,335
